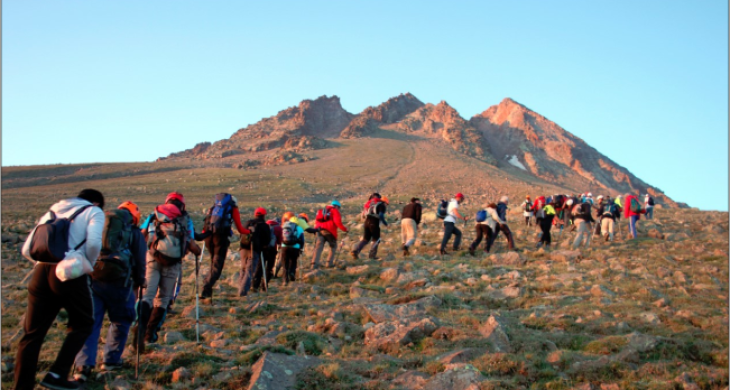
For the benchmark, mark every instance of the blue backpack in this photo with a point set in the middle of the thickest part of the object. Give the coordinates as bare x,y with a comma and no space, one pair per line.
481,216
220,218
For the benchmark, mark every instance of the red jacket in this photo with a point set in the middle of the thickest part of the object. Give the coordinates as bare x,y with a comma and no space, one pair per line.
539,204
334,222
627,207
277,230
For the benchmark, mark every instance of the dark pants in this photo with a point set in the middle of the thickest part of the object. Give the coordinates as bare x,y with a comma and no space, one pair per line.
118,301
46,296
371,232
289,257
250,262
507,233
482,231
449,229
545,226
270,259
218,247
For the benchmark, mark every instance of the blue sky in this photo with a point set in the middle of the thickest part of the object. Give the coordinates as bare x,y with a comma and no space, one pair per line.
645,83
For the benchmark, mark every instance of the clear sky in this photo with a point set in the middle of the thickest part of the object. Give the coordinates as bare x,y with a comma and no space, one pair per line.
645,83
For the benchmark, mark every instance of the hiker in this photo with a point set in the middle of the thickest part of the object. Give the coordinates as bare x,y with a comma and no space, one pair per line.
547,222
502,225
170,235
252,246
292,242
608,211
649,206
537,210
118,275
486,225
527,210
47,294
598,225
270,254
327,221
582,218
218,224
452,213
410,219
374,212
632,211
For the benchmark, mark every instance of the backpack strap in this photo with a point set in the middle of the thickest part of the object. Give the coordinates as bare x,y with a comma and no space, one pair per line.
77,212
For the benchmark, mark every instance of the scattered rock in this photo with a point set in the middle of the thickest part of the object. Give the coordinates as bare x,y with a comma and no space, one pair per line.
493,331
566,256
410,380
461,355
509,258
383,313
118,384
172,337
389,336
181,374
466,378
601,291
222,376
416,284
355,270
275,371
356,292
389,274
654,233
311,276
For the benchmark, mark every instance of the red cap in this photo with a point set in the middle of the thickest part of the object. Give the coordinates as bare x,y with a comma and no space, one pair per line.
459,195
175,195
259,211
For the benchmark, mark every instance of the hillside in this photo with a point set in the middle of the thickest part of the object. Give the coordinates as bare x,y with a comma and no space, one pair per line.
645,313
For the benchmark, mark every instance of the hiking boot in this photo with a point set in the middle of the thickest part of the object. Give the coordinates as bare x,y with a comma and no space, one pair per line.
55,382
83,374
111,366
443,252
405,251
206,295
471,252
156,319
354,255
605,237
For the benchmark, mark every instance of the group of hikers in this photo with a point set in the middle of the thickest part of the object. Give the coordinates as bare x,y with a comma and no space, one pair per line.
135,266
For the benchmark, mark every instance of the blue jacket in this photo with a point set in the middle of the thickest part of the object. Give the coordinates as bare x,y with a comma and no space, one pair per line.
502,211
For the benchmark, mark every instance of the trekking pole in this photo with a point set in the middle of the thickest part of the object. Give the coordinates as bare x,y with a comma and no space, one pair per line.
263,264
139,330
197,297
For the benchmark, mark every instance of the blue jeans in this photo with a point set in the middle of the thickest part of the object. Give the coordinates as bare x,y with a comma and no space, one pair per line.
119,302
250,260
649,212
449,229
632,225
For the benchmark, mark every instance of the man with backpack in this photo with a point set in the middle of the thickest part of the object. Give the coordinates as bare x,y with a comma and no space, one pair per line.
270,253
118,274
582,218
219,222
607,212
527,210
547,222
633,212
374,212
71,224
537,210
252,247
486,225
649,206
452,213
410,219
502,225
292,242
327,221
170,235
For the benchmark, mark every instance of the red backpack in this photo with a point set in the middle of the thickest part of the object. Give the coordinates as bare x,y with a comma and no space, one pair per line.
324,215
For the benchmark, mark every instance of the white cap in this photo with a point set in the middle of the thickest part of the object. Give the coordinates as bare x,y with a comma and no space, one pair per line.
504,199
590,195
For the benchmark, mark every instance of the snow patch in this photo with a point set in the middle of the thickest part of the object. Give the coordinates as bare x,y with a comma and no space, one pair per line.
515,161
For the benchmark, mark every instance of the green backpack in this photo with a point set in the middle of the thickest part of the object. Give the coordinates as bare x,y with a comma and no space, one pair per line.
635,206
115,260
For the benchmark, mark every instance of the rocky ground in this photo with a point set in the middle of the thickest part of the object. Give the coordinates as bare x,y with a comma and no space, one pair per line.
650,313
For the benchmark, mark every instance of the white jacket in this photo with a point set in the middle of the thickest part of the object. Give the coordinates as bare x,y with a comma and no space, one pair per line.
492,218
88,225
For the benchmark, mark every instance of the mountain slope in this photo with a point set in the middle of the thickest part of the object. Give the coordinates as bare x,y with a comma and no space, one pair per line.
523,138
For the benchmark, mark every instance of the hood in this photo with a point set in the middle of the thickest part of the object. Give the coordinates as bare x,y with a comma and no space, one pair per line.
170,210
272,222
67,206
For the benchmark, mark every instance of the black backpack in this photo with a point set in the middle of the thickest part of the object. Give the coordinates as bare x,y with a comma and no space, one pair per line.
651,201
220,217
441,211
260,234
50,240
116,260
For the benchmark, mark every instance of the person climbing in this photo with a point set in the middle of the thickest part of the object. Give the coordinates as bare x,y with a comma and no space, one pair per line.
582,218
649,206
547,222
452,213
218,226
374,212
527,210
170,235
597,207
502,225
607,212
632,211
47,294
292,242
538,211
327,221
410,219
252,247
118,274
270,252
486,225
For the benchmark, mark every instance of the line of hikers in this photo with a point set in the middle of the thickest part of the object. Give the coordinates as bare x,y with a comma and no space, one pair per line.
90,263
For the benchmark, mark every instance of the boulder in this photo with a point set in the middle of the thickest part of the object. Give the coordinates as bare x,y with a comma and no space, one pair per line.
355,270
389,336
380,313
493,331
509,258
464,378
173,337
389,274
274,371
410,380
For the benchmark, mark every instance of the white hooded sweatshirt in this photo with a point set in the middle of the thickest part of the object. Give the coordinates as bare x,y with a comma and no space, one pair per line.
88,225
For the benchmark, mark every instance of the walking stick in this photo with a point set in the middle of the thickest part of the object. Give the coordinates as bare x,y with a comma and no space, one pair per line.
139,330
263,264
197,296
